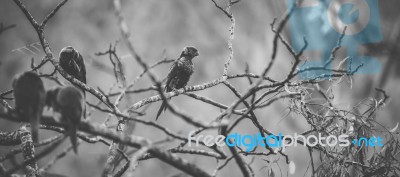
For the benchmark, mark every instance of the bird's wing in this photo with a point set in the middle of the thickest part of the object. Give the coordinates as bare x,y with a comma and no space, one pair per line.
173,72
79,65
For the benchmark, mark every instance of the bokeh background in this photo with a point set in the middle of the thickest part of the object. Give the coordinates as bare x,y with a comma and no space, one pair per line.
169,25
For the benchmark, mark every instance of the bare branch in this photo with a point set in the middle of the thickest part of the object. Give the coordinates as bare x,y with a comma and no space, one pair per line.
3,29
134,141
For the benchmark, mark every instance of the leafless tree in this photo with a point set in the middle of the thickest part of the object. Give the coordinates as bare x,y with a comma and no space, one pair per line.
304,99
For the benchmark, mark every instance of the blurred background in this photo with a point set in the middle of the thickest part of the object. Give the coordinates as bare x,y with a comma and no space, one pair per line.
169,25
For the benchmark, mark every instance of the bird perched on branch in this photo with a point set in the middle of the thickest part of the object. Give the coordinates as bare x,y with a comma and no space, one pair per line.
179,73
69,102
30,97
71,61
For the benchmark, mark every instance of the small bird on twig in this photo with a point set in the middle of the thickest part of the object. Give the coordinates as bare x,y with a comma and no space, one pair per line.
179,73
30,97
69,102
71,61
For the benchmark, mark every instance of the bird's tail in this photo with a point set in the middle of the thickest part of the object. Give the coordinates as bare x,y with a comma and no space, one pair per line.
73,137
162,108
35,122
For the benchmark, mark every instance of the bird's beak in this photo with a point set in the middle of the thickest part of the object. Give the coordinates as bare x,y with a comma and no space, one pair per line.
196,54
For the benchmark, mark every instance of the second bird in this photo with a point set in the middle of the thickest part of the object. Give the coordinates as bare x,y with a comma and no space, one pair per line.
69,102
179,73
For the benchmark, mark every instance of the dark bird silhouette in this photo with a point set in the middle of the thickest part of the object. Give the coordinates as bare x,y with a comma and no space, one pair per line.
69,102
71,61
30,96
179,73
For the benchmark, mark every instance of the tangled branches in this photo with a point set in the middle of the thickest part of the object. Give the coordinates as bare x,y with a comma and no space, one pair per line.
304,99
